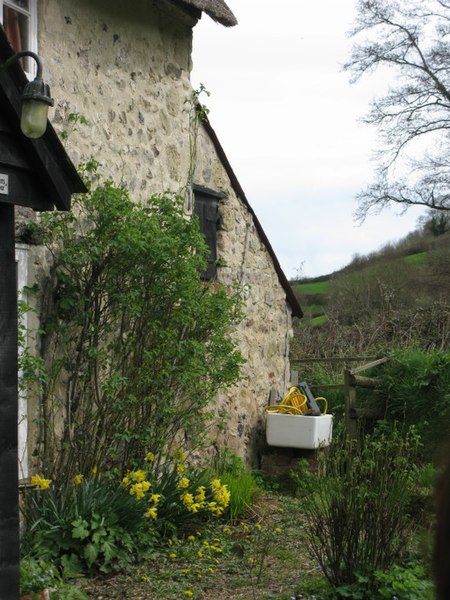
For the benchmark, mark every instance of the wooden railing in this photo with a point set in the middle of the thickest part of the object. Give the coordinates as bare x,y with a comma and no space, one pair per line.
352,381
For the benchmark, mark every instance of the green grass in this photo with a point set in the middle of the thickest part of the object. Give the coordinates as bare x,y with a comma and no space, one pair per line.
312,308
312,287
417,260
317,321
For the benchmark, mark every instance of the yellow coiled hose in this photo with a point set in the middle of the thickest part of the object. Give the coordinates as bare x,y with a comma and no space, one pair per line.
295,403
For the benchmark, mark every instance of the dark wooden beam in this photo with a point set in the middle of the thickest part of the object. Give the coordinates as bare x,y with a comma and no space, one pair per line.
9,495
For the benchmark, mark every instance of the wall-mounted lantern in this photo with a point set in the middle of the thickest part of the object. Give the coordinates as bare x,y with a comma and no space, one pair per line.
36,98
36,172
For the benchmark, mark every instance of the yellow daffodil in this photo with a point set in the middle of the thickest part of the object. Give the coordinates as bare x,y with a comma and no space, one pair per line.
94,471
181,455
151,513
183,483
149,457
188,593
277,530
181,469
222,495
172,555
201,494
191,538
139,489
138,475
78,479
187,499
40,482
215,485
155,498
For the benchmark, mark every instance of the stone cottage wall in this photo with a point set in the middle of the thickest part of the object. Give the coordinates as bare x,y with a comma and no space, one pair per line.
125,67
266,330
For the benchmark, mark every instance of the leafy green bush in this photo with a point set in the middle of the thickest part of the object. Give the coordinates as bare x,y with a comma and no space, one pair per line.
357,519
95,525
404,583
36,576
401,583
137,341
417,387
105,523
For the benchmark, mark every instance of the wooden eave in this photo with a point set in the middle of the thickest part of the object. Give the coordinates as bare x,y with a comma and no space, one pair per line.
55,173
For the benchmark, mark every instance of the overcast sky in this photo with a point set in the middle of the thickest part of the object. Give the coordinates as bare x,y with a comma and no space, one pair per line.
289,122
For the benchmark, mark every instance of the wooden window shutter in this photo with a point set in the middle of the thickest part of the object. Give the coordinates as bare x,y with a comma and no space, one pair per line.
206,207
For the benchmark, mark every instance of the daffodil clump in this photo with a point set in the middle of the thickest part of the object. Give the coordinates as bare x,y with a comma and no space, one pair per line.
176,489
168,498
195,499
40,483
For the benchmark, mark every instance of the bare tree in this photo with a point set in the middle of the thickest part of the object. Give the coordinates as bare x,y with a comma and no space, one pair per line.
412,38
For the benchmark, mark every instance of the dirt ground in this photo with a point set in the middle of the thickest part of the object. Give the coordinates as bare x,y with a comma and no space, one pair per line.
261,557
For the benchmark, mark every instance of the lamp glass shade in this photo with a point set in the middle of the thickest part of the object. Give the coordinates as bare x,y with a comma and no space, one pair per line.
34,118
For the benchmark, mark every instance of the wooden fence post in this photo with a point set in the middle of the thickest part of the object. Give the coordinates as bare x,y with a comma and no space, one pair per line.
351,425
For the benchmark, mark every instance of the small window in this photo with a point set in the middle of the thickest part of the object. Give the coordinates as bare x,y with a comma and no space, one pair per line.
206,207
19,19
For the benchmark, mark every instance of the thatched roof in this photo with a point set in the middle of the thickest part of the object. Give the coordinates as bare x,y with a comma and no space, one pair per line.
216,9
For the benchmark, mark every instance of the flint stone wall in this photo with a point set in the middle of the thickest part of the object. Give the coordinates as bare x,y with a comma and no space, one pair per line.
125,67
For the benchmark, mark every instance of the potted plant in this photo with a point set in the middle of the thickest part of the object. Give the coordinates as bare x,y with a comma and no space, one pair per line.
35,579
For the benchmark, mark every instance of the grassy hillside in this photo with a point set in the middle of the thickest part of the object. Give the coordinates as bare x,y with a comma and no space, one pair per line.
405,271
312,287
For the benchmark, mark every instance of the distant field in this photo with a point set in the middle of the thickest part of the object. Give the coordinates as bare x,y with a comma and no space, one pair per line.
418,260
312,287
313,309
317,321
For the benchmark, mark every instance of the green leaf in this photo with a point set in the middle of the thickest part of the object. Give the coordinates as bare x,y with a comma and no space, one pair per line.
108,550
90,553
80,529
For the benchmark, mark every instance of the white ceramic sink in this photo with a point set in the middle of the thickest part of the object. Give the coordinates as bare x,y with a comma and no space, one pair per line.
298,431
